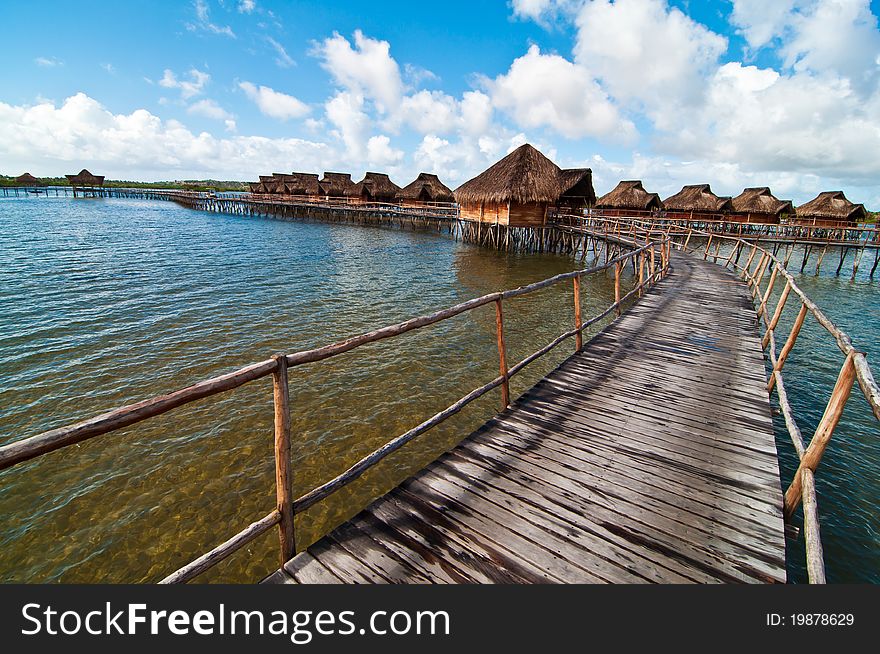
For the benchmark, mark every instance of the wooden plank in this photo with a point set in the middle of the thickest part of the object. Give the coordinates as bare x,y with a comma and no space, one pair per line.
649,456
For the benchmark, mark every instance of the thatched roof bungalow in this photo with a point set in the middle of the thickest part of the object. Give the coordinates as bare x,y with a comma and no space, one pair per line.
297,183
831,208
758,205
628,197
376,187
27,180
576,188
85,179
697,200
425,188
519,190
337,185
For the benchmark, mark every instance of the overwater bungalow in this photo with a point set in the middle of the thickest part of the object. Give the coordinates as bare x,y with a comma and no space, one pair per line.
519,190
627,198
576,189
27,180
376,187
85,179
304,184
758,205
337,185
697,201
425,188
831,208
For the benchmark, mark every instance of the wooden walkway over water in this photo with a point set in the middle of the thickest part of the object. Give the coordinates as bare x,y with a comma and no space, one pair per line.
647,457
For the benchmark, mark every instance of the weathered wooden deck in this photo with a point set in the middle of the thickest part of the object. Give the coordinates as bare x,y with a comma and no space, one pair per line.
647,457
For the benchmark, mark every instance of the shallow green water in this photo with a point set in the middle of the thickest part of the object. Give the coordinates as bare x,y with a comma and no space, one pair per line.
105,302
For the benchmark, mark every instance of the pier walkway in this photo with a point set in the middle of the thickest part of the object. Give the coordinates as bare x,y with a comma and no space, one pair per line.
649,456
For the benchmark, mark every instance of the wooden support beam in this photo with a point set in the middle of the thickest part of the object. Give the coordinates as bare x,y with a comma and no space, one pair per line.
812,535
579,339
617,268
283,478
789,344
502,351
820,440
780,305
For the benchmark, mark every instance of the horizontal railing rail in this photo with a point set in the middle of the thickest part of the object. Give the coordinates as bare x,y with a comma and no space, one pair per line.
651,258
760,264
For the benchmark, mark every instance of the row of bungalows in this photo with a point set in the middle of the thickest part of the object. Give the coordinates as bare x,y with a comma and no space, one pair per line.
753,205
521,190
374,187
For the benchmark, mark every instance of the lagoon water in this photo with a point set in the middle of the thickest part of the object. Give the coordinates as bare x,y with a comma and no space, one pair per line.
106,302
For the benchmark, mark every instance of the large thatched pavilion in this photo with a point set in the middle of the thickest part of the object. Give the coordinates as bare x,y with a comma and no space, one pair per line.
831,208
627,198
376,187
519,190
697,201
425,188
758,205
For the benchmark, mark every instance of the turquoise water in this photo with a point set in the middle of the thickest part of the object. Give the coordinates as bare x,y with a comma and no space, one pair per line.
106,302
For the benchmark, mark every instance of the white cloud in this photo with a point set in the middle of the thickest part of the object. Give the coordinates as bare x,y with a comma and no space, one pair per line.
203,21
246,6
283,60
760,21
367,68
188,88
48,62
52,139
274,103
210,109
548,90
345,111
380,153
646,52
109,68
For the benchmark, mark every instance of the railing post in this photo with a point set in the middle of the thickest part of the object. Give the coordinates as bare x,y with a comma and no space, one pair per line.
789,344
578,338
653,266
641,272
745,272
769,290
283,479
708,243
812,536
617,268
502,355
776,314
821,438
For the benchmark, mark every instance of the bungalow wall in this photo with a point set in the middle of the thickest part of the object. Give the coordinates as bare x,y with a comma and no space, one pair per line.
756,217
512,214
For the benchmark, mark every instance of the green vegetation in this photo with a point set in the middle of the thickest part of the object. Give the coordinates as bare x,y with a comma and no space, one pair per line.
184,185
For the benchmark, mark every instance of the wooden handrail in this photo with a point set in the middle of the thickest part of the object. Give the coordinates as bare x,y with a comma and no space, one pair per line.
283,515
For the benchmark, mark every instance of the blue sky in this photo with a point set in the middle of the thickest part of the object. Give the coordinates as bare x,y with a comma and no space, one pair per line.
734,92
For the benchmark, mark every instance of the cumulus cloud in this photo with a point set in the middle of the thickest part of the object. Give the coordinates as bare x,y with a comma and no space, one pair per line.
187,87
210,109
365,67
246,6
273,103
548,90
51,139
48,62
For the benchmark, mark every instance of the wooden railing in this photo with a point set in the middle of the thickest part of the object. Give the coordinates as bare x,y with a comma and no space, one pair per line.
762,263
651,260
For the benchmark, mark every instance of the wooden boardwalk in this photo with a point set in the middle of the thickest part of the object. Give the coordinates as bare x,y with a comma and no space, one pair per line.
648,457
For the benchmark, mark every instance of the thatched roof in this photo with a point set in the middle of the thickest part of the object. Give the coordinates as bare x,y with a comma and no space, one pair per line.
377,186
698,197
297,183
523,176
337,185
630,194
426,188
760,200
28,180
577,183
832,205
85,178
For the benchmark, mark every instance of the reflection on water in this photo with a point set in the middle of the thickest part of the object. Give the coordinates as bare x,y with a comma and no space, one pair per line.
105,302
